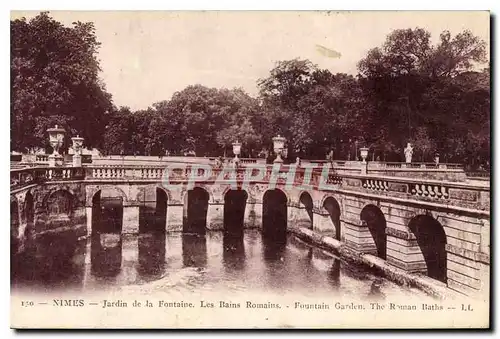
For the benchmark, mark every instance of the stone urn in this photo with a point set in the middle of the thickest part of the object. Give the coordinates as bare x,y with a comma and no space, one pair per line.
236,150
77,151
363,151
56,138
279,145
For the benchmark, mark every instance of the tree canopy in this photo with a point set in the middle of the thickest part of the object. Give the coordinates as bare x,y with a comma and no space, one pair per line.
407,90
55,80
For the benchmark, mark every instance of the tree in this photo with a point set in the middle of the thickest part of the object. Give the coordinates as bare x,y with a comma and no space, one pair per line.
117,135
431,92
314,109
54,80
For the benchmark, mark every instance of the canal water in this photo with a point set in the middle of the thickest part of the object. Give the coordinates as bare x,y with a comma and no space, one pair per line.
183,263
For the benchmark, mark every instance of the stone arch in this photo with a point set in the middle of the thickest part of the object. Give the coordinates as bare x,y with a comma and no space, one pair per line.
303,194
166,191
56,188
287,194
228,188
196,203
431,240
416,211
140,193
306,203
374,219
93,190
107,214
59,203
332,206
275,215
206,188
337,198
235,201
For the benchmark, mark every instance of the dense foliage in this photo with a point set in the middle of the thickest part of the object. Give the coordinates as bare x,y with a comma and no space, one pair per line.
54,80
435,96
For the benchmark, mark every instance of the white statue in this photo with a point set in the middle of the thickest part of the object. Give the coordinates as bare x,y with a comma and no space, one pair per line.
408,153
297,162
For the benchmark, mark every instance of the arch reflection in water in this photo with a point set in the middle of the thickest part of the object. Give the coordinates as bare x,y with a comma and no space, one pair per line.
106,254
57,261
194,250
233,255
273,251
334,273
152,254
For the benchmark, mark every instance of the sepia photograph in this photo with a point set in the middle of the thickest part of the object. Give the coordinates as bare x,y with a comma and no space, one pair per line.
250,169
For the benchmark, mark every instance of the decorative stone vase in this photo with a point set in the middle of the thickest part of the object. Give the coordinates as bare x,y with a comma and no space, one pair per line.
56,138
236,149
279,145
364,153
77,151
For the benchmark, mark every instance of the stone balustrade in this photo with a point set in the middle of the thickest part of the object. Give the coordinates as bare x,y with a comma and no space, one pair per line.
437,191
428,165
452,193
376,185
434,191
35,175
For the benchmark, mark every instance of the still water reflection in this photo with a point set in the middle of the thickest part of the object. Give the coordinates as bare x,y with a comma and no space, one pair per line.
190,262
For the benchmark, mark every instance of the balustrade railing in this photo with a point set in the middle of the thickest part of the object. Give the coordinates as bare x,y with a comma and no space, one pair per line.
429,190
414,165
478,174
35,175
422,189
452,193
376,185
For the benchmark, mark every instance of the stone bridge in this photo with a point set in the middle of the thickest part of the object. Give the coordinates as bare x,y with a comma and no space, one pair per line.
425,220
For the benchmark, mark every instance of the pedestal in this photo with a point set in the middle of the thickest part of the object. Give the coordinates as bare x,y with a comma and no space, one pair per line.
278,159
55,160
363,167
77,160
52,160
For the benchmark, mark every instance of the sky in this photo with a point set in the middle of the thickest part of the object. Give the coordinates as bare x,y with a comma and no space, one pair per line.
147,56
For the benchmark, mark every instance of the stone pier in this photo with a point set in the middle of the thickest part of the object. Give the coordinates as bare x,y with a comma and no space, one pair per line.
215,217
130,223
175,214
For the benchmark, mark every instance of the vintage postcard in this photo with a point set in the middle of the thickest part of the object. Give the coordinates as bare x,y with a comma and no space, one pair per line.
232,169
